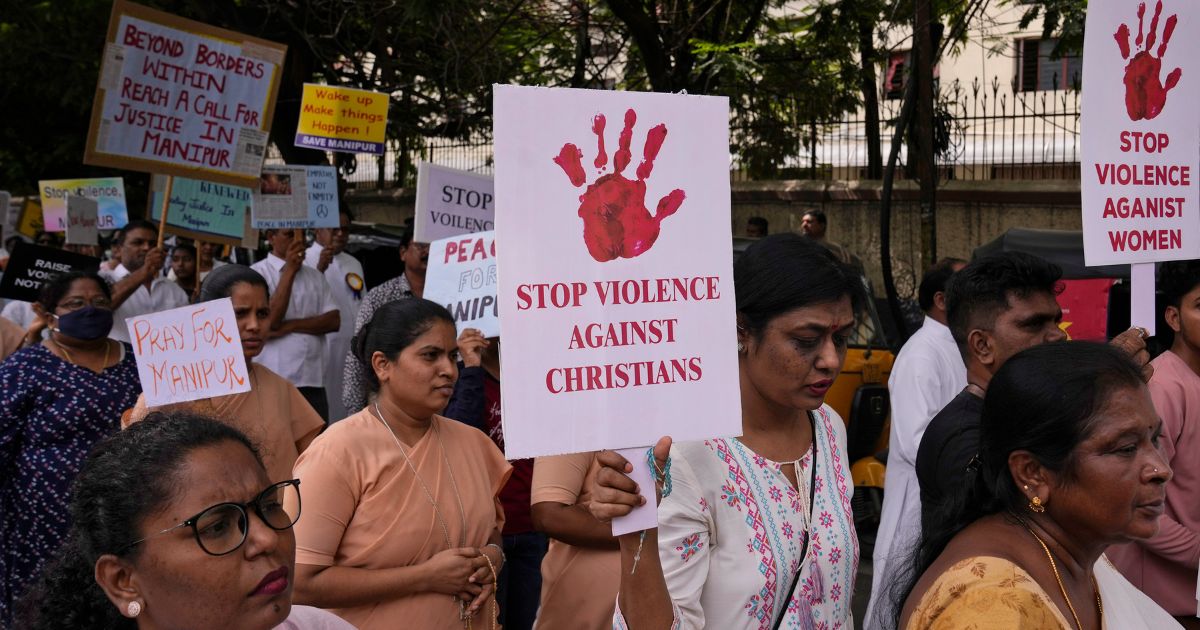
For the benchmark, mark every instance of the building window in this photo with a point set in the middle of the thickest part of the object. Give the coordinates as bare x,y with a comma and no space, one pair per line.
896,77
1037,71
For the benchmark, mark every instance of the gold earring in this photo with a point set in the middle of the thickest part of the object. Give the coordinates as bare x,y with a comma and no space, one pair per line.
1035,505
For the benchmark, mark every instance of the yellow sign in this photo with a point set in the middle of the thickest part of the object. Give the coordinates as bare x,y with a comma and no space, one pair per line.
342,119
30,222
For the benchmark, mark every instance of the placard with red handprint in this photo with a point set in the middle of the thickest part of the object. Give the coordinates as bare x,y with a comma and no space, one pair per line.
1140,131
614,261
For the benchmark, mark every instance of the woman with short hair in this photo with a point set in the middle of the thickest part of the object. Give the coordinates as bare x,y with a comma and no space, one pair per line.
1068,464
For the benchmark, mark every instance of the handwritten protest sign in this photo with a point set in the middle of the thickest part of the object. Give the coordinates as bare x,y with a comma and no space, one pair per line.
182,98
30,265
108,192
82,216
342,119
296,197
615,280
1139,139
462,276
204,211
452,202
189,353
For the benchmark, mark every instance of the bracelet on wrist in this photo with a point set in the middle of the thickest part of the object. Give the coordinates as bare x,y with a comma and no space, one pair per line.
503,558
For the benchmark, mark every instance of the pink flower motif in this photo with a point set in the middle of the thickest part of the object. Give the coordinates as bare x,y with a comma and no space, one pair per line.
787,531
690,546
796,504
703,504
835,554
760,460
730,496
826,519
820,483
835,593
776,494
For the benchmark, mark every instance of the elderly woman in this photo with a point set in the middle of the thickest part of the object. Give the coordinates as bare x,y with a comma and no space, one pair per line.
57,399
1069,464
176,525
403,516
757,531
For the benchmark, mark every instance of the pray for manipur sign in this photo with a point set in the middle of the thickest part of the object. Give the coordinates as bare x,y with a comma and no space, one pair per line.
189,353
1141,81
615,276
182,98
452,202
342,119
202,210
462,276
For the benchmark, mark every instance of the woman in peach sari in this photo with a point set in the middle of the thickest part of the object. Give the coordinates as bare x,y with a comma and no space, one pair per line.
272,414
402,518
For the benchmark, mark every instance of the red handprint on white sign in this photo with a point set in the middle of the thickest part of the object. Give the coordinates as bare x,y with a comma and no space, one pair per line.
1145,95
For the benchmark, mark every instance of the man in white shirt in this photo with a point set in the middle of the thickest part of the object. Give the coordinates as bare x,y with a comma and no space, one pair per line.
928,373
344,274
137,286
302,313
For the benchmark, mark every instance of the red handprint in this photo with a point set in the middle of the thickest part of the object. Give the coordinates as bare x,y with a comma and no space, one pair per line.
1145,96
616,223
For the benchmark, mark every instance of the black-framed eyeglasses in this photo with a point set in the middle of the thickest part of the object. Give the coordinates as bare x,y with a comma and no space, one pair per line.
221,529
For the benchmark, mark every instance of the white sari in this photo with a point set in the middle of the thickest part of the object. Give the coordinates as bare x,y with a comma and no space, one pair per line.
1126,607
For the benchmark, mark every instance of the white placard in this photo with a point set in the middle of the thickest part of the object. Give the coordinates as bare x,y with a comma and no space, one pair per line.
462,277
83,215
295,197
1141,135
452,202
616,276
189,353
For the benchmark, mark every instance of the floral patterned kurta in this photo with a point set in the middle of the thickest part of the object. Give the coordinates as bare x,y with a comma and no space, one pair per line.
731,532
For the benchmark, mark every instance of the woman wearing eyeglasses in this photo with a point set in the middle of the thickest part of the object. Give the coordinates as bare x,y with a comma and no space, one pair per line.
402,517
176,525
57,399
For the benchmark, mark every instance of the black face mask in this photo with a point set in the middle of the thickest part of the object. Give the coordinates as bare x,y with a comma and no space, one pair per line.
86,324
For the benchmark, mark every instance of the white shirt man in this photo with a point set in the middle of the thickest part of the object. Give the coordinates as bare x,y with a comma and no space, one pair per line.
344,274
303,311
928,373
138,287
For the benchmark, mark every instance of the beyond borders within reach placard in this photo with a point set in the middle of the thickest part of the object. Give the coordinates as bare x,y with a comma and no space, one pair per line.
342,119
182,98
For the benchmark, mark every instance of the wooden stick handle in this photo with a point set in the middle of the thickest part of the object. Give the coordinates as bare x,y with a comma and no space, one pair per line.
166,205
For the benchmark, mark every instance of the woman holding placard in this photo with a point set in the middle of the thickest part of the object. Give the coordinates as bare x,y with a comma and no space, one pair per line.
57,399
273,413
779,495
402,516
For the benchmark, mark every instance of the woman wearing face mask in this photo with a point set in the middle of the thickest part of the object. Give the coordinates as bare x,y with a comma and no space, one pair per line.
176,525
272,414
57,399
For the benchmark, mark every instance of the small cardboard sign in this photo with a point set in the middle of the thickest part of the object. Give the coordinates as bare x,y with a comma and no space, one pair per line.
342,119
182,98
31,265
462,277
452,202
189,353
205,211
107,192
296,197
82,215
